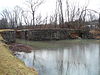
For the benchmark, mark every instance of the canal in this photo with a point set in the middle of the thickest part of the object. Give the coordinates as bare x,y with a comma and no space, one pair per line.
75,58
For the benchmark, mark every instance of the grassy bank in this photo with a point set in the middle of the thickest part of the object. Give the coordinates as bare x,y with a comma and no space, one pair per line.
10,65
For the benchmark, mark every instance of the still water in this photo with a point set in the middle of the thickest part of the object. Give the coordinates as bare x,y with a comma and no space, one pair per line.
70,59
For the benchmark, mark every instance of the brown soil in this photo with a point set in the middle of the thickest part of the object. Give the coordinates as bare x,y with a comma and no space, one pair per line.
20,47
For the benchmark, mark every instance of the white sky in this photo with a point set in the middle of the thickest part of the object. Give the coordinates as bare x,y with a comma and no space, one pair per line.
48,5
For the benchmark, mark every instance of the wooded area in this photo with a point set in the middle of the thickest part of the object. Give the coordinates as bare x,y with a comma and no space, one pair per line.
74,16
61,23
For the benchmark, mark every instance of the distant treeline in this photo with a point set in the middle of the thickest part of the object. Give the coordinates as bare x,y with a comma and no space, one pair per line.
75,15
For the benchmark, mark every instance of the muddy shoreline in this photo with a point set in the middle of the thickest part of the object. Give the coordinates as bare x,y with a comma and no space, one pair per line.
20,47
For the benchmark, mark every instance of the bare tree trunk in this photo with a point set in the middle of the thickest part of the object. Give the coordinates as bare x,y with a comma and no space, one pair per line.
99,21
60,10
33,19
33,5
67,3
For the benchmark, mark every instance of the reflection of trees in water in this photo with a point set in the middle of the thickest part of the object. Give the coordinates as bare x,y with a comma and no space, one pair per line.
34,58
99,48
76,60
39,63
99,56
59,60
73,67
81,58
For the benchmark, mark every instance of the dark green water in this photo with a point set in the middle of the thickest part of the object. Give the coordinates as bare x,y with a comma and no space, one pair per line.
81,58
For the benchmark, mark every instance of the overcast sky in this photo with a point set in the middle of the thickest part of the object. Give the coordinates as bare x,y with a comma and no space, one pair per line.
48,5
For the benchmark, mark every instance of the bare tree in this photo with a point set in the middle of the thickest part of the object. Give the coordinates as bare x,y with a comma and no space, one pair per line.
13,16
25,17
45,20
3,23
60,11
99,20
75,14
9,16
38,19
53,19
33,5
67,12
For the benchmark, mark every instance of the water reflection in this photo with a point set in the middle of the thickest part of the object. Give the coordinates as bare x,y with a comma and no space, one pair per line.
77,59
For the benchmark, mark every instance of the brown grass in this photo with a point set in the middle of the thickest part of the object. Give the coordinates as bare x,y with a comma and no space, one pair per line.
10,65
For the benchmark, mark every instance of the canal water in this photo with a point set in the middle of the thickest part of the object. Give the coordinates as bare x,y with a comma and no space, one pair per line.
82,58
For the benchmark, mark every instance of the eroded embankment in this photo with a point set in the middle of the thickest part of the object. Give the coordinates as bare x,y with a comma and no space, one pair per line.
10,65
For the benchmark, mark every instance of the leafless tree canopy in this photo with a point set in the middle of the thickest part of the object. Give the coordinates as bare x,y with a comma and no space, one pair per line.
74,16
34,5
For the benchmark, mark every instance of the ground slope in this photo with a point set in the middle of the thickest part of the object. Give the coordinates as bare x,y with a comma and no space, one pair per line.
10,65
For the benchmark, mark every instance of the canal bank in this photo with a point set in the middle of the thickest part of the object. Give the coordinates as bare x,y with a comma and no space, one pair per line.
9,64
